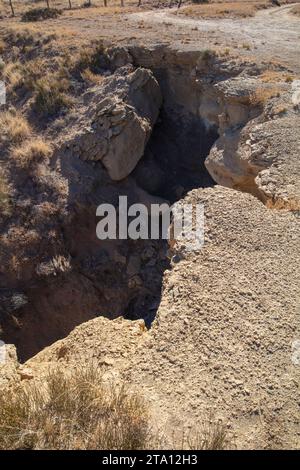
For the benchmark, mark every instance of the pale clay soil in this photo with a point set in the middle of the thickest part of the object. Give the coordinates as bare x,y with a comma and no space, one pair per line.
221,346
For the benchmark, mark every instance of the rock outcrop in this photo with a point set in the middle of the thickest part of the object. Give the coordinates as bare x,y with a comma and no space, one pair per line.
251,154
116,121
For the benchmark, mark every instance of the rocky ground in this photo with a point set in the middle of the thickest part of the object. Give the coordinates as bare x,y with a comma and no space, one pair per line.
223,344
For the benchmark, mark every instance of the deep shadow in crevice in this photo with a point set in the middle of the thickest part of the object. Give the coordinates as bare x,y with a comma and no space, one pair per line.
173,163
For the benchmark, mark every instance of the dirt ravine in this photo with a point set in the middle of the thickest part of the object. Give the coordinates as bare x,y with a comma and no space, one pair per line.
272,33
158,108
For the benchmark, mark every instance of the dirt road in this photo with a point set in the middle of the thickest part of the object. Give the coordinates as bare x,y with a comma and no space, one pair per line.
272,33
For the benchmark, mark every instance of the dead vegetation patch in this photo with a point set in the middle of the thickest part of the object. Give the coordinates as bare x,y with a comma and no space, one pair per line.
262,94
77,409
275,76
73,411
5,205
14,128
30,152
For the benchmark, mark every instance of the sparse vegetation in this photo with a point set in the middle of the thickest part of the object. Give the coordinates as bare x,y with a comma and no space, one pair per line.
210,436
5,205
14,128
74,410
263,94
91,78
77,409
275,76
50,95
30,152
207,55
39,14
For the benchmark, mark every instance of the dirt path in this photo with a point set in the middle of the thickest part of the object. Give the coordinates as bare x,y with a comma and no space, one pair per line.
271,34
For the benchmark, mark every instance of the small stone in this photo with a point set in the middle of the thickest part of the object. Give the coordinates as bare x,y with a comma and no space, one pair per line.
25,374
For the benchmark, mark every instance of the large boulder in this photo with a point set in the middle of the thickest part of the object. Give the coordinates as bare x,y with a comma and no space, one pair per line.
116,121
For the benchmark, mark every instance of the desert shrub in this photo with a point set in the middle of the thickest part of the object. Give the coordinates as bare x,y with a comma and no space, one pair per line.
87,4
199,2
207,55
39,14
30,152
14,128
74,410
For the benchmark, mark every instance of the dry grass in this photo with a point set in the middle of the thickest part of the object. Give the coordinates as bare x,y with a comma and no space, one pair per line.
224,9
263,94
30,152
274,76
211,436
40,14
14,128
76,409
91,78
279,110
13,75
5,205
51,95
73,411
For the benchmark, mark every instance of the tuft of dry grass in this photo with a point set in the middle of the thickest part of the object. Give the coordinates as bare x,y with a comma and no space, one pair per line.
74,410
262,94
91,78
5,204
30,152
51,95
209,436
13,75
14,128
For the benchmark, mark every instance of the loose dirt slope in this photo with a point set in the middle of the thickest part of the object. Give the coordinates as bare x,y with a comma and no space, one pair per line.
222,342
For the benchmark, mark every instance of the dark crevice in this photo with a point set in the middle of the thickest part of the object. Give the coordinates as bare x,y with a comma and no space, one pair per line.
173,163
